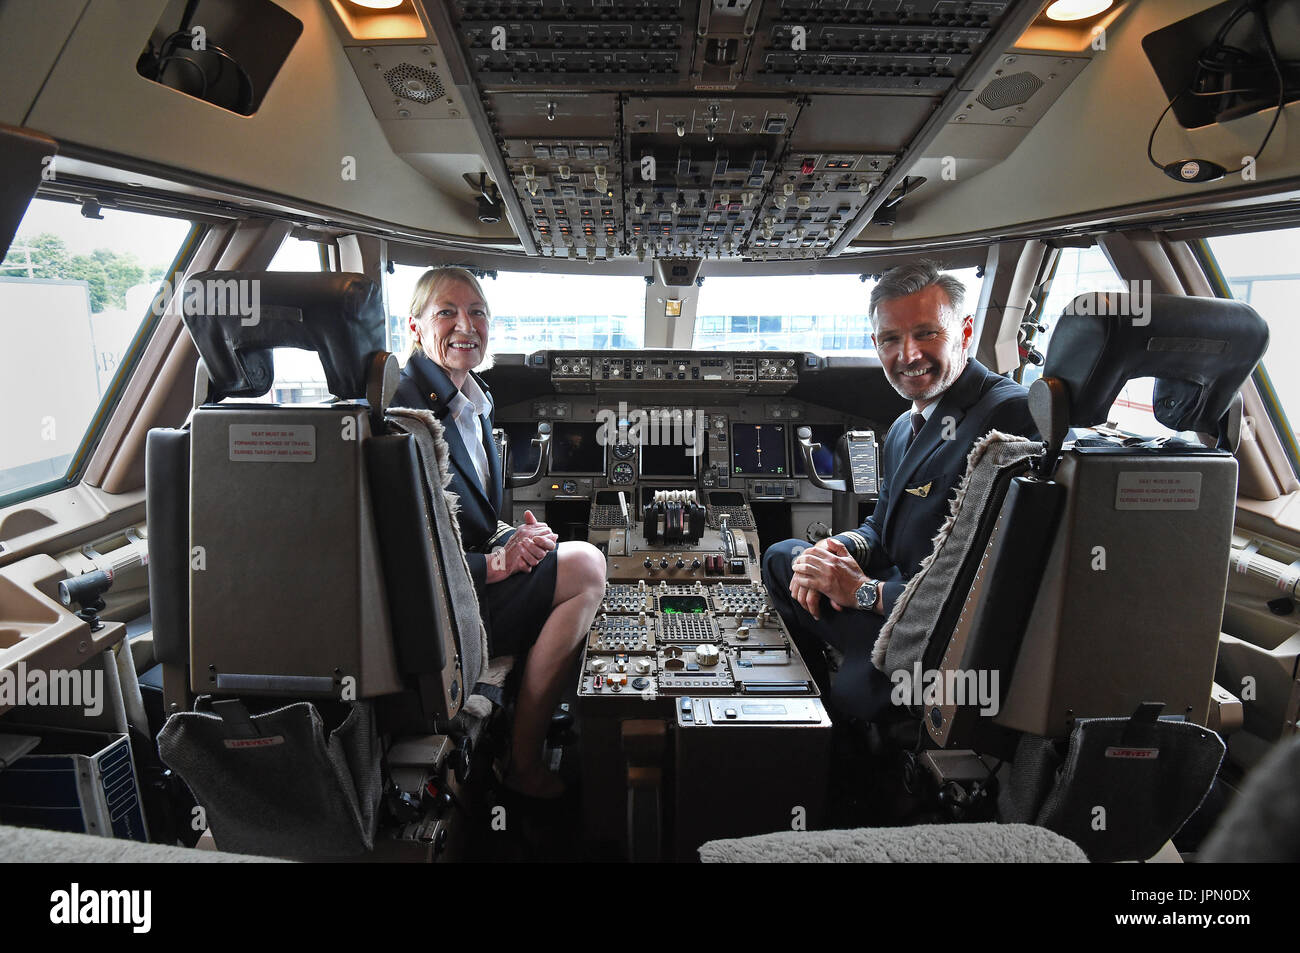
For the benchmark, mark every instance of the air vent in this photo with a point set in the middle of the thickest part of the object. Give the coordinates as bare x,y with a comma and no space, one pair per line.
1011,90
414,84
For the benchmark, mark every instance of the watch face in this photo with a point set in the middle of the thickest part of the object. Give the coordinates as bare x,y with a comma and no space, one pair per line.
866,596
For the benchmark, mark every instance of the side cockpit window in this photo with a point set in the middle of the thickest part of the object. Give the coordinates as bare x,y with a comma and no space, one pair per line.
1263,269
1083,271
79,298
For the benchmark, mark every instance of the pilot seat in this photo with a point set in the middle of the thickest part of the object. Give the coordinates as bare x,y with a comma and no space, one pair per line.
1068,619
308,587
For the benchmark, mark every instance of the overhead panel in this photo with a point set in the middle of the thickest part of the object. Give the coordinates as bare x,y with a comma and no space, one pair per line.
707,128
407,80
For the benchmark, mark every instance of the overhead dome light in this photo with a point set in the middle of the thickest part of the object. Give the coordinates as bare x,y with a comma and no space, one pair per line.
1067,10
382,4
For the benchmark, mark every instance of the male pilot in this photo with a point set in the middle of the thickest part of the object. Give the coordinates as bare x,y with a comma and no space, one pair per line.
841,590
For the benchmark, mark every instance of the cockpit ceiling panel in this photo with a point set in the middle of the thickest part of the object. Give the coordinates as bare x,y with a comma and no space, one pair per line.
691,45
708,129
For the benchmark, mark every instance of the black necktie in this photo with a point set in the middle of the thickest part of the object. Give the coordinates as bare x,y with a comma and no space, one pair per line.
918,421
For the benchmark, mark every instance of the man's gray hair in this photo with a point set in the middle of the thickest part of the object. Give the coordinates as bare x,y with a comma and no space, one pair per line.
908,279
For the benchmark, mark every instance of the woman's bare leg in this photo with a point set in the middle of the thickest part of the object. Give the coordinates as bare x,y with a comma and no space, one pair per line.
579,588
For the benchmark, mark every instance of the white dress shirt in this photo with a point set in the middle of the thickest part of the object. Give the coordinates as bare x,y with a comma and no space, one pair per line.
469,407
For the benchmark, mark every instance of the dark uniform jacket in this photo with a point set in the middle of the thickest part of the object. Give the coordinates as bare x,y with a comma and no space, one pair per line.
426,386
917,483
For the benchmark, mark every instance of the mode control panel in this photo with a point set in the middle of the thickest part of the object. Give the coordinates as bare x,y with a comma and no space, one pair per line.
774,373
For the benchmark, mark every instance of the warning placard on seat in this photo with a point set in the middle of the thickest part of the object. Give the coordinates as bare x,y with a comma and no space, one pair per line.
1158,490
272,444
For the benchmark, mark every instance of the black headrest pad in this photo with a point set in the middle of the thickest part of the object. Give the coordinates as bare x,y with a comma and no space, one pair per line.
339,316
1200,350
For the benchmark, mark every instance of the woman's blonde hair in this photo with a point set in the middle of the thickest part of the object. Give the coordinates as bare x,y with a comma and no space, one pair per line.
427,287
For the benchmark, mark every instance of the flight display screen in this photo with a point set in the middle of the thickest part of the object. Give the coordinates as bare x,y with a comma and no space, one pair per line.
672,460
575,451
683,605
523,452
827,435
758,450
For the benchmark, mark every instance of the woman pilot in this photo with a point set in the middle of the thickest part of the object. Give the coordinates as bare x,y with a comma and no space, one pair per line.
537,596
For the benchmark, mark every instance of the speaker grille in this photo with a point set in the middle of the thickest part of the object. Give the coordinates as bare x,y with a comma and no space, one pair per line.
414,83
1010,90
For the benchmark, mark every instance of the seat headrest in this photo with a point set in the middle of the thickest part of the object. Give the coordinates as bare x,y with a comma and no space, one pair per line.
237,317
1199,350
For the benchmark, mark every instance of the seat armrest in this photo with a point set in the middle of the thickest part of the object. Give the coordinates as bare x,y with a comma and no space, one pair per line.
1225,711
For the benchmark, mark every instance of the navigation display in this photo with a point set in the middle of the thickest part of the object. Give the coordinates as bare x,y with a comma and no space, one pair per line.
758,450
827,435
575,450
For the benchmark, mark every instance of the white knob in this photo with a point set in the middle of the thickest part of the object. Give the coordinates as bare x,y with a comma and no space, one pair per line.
706,654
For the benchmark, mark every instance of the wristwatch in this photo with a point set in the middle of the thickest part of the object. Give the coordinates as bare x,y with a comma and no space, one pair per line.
866,595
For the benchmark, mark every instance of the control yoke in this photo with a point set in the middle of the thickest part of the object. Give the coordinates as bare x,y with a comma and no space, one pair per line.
855,468
808,448
543,443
